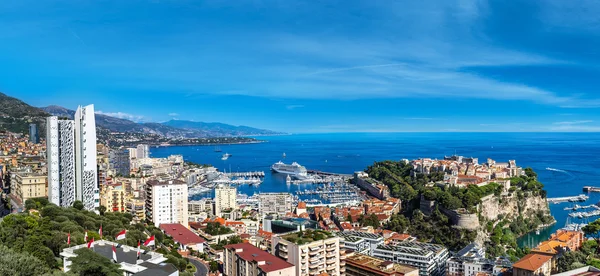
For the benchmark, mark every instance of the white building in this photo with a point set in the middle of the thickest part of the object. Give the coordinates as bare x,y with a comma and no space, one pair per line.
429,258
275,203
71,153
225,199
149,262
142,151
318,252
353,239
167,202
469,261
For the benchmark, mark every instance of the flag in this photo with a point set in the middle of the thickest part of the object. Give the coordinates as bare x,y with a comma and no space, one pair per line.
121,235
69,239
114,254
85,236
91,243
138,251
100,231
149,241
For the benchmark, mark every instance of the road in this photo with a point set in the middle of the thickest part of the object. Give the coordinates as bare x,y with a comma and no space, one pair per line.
201,269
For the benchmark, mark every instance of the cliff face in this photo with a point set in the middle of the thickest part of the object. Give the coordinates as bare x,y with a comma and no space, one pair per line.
511,207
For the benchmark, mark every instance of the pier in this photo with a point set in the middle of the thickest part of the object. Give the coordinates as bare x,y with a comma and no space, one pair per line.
246,174
587,214
577,207
579,198
591,189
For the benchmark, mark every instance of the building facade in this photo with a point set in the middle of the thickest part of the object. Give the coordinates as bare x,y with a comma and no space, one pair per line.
142,151
247,260
275,203
429,258
71,154
533,265
28,185
225,199
119,162
314,253
167,202
34,136
113,198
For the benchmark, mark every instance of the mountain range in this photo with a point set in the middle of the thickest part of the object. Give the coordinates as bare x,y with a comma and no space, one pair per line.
16,115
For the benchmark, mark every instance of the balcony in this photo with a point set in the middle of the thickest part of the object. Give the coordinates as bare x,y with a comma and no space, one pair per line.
331,255
329,249
315,259
315,248
331,261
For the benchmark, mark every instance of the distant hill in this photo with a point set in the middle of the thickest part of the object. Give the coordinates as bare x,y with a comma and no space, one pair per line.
15,116
171,129
219,128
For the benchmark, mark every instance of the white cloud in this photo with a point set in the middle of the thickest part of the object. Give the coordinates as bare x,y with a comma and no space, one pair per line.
570,123
173,114
294,106
122,115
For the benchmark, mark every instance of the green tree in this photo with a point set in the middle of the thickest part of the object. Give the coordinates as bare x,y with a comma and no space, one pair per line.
78,205
90,263
24,264
593,230
102,210
214,266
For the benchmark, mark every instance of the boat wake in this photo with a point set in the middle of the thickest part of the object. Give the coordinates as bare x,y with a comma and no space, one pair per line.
572,176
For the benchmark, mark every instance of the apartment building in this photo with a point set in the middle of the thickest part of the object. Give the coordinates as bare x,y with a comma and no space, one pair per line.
275,203
247,260
71,153
312,252
372,241
429,258
136,207
28,185
533,265
113,198
119,162
167,202
225,199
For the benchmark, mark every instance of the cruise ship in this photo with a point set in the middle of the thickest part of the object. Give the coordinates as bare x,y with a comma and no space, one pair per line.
294,170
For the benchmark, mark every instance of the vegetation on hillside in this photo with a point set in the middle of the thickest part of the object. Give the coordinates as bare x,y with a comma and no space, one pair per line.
41,233
215,228
15,116
437,227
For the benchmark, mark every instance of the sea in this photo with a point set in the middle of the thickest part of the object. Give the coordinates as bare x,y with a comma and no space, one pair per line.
564,162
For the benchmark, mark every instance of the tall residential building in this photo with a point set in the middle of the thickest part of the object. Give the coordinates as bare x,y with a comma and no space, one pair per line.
142,151
225,197
167,202
71,154
275,203
429,258
312,252
34,136
28,185
245,259
119,161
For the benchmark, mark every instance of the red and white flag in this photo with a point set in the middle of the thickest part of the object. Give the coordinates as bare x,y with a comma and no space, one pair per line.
100,231
69,238
121,235
138,250
85,236
91,243
149,241
114,254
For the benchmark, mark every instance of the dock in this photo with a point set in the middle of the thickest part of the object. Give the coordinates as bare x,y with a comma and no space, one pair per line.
591,189
577,198
577,207
587,214
246,174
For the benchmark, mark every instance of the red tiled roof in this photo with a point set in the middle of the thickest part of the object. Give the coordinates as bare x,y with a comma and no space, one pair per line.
181,234
532,262
252,253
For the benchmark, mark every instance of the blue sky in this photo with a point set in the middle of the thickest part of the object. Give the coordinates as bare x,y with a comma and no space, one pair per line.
312,66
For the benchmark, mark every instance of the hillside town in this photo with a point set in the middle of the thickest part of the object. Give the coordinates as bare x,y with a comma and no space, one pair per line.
237,234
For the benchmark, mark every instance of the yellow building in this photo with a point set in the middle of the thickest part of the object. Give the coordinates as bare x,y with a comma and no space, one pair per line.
29,185
113,198
136,207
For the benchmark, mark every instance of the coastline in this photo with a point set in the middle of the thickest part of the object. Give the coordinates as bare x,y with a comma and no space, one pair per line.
210,144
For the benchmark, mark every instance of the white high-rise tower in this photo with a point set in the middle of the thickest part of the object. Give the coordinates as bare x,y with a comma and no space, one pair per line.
71,154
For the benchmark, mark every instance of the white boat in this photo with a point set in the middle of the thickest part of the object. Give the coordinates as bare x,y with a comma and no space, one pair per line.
294,170
225,156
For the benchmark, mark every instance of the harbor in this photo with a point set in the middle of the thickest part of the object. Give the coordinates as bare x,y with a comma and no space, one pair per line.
578,198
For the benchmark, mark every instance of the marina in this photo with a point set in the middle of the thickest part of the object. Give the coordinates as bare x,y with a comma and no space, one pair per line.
578,198
591,189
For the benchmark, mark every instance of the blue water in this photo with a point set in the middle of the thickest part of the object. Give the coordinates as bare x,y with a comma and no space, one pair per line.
578,154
